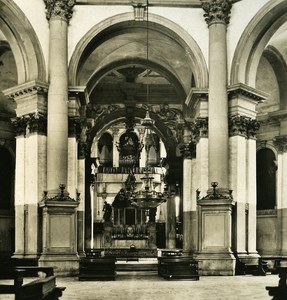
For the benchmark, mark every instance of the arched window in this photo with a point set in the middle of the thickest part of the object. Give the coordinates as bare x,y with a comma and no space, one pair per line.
105,146
266,179
6,177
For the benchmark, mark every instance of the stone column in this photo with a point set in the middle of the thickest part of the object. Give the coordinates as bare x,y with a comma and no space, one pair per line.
30,174
189,199
217,18
58,13
116,154
215,255
281,144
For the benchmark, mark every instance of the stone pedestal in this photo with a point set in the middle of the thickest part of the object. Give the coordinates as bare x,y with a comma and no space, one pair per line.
60,236
215,256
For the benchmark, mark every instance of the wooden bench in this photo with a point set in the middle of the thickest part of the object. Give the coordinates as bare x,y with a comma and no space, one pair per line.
178,268
102,268
43,287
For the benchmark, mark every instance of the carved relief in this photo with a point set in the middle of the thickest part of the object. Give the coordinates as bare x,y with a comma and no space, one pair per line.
98,112
30,123
216,11
280,143
188,150
244,126
199,128
37,123
173,119
59,8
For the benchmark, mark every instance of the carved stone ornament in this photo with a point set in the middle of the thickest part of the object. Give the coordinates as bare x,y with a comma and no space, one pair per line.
82,150
188,150
98,112
62,196
32,123
280,143
216,11
74,127
20,125
37,122
199,128
59,8
216,193
244,126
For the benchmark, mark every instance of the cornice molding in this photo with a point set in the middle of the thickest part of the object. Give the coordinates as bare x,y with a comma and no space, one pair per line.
241,89
26,89
162,3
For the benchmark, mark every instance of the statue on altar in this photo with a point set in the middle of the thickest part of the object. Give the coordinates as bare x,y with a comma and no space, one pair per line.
107,209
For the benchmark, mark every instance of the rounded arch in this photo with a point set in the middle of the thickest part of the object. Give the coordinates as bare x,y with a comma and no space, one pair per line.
254,39
99,74
197,60
28,55
119,115
279,66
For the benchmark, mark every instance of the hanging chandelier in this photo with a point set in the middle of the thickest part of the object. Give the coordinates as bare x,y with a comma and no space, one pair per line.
147,197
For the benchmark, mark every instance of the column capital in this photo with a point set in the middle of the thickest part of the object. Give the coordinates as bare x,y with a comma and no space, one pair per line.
30,123
62,9
243,126
199,128
280,143
216,11
188,150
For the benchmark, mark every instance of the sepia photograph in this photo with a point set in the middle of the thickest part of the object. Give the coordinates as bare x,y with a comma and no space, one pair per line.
143,149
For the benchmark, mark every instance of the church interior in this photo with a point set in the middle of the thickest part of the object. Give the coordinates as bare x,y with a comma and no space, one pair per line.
152,131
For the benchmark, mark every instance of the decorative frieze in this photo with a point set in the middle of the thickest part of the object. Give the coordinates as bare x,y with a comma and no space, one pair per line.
216,11
59,9
280,143
99,112
244,126
30,123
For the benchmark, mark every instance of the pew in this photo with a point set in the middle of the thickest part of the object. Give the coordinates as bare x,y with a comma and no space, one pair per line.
98,268
42,284
178,268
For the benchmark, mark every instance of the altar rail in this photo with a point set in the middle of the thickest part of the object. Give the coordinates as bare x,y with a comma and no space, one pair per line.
127,170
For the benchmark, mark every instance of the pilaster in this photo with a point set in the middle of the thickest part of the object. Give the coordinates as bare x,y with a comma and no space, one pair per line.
30,174
280,142
242,164
188,151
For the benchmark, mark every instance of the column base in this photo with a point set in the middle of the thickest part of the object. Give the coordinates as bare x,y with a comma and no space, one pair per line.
250,258
216,264
64,265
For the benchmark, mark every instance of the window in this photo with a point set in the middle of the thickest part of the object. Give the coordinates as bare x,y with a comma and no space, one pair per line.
6,176
266,179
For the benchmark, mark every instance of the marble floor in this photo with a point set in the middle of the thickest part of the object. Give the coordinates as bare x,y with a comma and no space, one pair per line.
136,286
